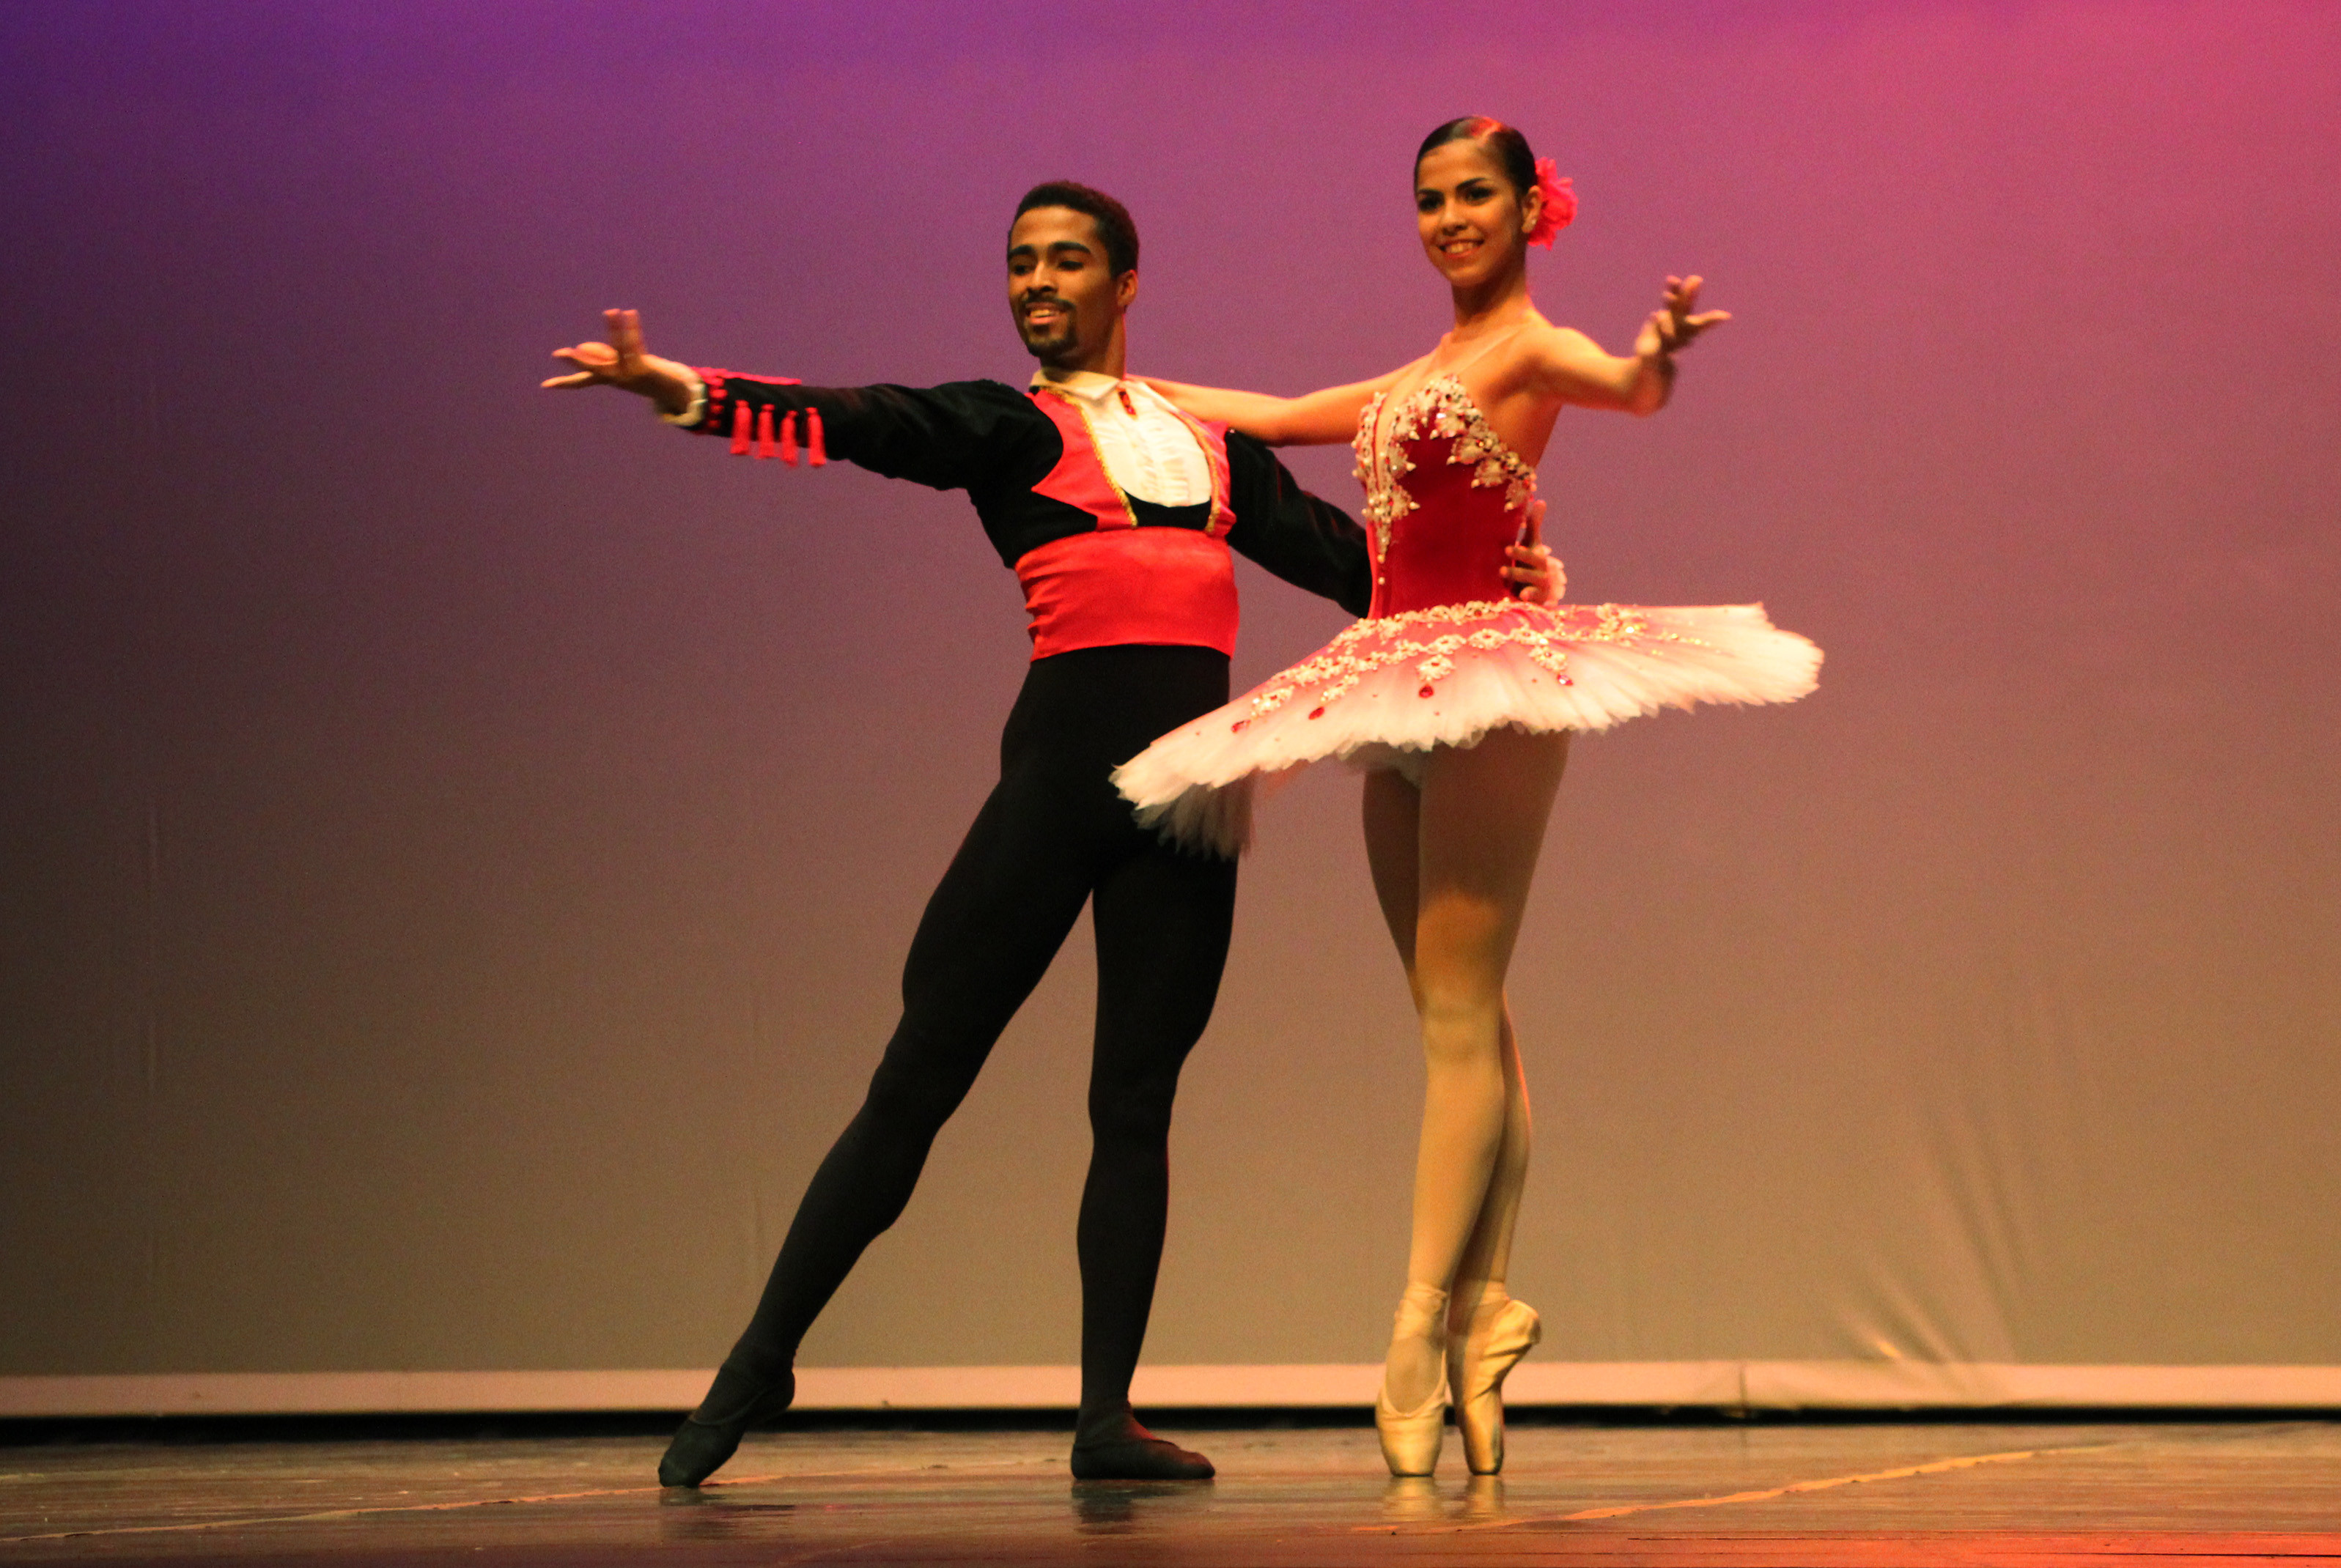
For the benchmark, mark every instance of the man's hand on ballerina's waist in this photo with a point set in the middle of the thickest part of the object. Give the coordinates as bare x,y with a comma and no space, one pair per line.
1541,577
623,361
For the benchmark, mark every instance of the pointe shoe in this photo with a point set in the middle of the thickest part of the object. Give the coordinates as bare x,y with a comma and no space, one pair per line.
1477,1363
711,1435
1410,1438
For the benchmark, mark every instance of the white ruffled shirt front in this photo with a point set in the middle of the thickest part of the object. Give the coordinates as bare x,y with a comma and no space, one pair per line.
1148,448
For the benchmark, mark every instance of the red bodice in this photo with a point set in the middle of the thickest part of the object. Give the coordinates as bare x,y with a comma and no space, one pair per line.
1444,496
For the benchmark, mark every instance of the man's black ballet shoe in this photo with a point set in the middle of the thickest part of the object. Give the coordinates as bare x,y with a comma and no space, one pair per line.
1139,1459
711,1435
696,1453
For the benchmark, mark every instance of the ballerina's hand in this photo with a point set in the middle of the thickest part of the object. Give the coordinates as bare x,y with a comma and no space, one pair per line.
1672,328
623,361
1542,578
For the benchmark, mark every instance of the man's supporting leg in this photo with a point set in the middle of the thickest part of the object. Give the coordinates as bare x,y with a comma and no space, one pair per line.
1162,920
995,921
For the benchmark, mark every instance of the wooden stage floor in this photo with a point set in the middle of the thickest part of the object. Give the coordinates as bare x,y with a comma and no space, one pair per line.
1807,1494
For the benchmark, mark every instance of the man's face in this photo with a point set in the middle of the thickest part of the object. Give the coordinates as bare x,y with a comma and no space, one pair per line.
1061,289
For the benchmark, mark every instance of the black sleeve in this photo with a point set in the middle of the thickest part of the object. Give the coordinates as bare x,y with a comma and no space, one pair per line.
1309,542
955,436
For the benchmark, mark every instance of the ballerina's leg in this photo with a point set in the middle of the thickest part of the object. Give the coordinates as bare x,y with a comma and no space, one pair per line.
1486,1266
1394,826
1452,864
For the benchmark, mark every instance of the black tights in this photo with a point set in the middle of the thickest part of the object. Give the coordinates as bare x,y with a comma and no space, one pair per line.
1053,835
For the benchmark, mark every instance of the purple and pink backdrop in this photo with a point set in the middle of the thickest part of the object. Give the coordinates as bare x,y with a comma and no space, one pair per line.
460,840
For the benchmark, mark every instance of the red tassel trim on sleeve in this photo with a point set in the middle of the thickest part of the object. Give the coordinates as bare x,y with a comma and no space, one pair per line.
761,432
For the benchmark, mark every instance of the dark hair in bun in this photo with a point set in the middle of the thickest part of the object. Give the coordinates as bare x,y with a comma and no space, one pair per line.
1511,148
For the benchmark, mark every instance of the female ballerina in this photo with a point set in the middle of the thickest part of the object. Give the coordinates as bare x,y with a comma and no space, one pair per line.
1458,699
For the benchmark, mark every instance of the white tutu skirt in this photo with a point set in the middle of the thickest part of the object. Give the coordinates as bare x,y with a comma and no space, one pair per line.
1384,691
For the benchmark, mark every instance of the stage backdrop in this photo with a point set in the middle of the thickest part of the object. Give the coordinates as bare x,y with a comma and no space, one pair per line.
460,840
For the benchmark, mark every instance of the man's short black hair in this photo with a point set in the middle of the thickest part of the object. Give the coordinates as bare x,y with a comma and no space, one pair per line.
1115,230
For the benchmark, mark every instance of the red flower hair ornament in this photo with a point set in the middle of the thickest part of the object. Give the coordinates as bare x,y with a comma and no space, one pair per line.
1560,205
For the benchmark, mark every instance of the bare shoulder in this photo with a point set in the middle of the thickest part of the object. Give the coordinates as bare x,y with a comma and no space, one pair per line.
1558,350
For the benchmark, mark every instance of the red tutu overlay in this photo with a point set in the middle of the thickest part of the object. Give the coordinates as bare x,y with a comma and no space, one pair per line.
1387,690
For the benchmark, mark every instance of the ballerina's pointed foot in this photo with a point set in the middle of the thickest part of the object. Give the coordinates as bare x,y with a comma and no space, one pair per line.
1115,1447
741,1398
1478,1361
1411,1437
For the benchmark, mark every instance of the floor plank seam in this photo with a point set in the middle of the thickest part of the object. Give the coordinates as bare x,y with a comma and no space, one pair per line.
1765,1494
332,1514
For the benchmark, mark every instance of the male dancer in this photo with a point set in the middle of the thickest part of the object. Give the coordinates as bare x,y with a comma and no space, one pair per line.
1117,513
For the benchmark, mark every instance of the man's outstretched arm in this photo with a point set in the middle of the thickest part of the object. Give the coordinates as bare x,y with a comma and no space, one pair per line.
949,437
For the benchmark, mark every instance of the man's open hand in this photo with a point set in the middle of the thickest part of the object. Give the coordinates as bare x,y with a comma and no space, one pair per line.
623,361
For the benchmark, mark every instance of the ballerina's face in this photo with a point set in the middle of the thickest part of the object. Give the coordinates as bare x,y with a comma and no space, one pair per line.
1470,215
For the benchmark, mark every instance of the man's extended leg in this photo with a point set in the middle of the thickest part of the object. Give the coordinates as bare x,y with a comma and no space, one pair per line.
1162,920
995,921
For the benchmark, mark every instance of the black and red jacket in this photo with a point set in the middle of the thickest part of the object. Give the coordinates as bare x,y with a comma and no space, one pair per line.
1100,567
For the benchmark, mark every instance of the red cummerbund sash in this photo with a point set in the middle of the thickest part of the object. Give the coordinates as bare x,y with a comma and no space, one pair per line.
1171,585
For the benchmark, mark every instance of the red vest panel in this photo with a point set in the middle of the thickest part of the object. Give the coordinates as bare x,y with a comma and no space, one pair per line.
1124,583
1155,585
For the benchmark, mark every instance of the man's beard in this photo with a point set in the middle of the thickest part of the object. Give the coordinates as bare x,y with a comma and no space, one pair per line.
1060,344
